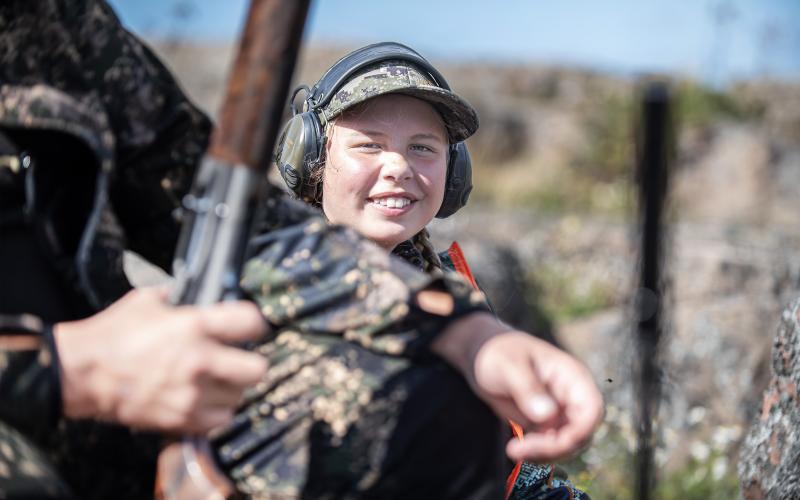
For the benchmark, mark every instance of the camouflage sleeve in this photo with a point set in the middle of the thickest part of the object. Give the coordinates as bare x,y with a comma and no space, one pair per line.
30,390
325,279
159,134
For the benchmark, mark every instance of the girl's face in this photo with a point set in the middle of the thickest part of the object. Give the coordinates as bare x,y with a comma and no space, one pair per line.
386,168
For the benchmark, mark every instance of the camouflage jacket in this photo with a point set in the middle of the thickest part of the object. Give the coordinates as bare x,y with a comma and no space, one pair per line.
87,100
70,74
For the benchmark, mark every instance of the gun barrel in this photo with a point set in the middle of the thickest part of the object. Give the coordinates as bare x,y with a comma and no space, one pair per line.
220,211
258,84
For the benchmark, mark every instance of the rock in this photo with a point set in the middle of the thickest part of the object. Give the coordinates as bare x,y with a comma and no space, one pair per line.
769,464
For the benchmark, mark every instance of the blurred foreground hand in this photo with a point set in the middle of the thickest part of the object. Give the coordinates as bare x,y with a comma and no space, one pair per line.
146,364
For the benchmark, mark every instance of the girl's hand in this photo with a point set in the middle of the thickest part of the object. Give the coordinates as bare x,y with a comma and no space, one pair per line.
545,390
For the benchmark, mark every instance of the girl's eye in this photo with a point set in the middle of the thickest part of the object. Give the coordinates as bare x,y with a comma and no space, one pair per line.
422,148
368,146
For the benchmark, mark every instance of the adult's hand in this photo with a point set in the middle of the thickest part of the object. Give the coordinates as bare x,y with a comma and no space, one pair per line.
545,390
149,365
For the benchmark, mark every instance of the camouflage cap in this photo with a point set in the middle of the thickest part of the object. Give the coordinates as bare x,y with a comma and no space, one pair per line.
401,77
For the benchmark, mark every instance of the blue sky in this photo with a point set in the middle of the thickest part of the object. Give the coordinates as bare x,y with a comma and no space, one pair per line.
713,40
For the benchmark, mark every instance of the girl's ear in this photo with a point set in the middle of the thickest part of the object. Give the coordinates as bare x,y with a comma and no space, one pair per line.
328,138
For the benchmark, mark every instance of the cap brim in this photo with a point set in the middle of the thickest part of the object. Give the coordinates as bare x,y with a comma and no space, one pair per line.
458,115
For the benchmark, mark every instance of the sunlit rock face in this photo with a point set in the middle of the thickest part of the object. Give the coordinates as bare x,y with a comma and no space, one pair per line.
769,465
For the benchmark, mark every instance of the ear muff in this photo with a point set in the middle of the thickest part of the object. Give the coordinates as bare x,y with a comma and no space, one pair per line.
301,143
458,185
299,149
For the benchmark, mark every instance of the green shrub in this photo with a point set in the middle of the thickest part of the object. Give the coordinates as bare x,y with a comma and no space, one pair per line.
566,295
608,155
699,106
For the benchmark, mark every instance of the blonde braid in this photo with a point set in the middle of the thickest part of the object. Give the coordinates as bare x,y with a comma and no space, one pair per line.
423,243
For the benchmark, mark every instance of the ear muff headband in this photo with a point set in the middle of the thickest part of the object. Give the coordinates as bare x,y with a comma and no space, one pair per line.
302,142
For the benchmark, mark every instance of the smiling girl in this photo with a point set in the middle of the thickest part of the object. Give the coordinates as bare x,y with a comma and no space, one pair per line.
378,146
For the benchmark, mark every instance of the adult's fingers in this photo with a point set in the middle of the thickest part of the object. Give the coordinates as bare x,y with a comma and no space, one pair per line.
237,367
232,322
219,393
210,418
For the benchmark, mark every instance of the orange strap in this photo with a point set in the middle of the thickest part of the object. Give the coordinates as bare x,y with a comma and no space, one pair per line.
460,263
516,429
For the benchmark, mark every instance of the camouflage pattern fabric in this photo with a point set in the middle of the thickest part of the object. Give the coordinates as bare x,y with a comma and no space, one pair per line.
368,415
28,374
321,278
71,75
24,471
540,482
354,405
399,77
335,420
68,66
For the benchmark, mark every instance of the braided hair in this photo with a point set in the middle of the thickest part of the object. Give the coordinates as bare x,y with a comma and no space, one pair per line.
422,242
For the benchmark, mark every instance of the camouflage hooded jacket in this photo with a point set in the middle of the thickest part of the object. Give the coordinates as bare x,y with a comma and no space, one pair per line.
71,77
114,145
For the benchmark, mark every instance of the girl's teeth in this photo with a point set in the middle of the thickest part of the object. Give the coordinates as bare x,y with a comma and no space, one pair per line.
393,202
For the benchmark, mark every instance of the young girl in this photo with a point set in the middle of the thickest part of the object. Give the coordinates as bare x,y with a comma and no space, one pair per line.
378,147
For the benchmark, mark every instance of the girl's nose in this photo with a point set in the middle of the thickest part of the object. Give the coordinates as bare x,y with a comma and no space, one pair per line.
396,167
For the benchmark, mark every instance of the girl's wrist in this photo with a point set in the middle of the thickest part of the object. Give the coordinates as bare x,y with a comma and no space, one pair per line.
460,342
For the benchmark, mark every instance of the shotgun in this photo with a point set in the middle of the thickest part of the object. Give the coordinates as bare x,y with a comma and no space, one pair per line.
224,201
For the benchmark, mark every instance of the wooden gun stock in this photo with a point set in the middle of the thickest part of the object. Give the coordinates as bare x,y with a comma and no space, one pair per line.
186,470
